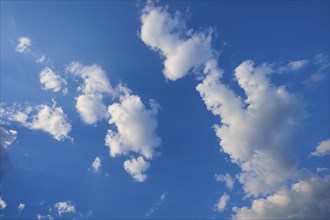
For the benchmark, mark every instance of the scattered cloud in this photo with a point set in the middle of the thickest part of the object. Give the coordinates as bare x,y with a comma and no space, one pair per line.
227,179
156,206
64,208
7,138
182,49
51,120
322,64
51,81
222,203
136,167
3,204
95,85
96,165
306,199
44,217
322,170
41,59
136,127
322,149
23,44
293,66
20,207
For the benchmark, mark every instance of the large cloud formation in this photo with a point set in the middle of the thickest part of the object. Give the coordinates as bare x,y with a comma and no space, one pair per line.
95,85
182,48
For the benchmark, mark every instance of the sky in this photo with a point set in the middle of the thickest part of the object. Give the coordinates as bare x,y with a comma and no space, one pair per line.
172,110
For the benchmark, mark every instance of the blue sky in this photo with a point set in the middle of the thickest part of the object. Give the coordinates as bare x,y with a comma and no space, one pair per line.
184,109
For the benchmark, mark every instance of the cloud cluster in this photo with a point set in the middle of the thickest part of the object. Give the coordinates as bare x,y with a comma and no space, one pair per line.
95,84
322,149
50,119
182,49
23,44
64,208
136,167
51,81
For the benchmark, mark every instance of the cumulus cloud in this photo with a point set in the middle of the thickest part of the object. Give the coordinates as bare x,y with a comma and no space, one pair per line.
222,203
96,165
64,208
156,206
136,167
20,207
227,179
23,44
322,149
255,133
51,120
3,204
182,49
51,81
95,85
136,127
306,199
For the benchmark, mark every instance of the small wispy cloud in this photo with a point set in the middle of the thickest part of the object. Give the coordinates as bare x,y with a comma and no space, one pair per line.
23,44
156,206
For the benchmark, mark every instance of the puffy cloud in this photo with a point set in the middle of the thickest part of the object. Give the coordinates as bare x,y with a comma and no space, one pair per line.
136,167
156,206
222,203
3,204
23,44
306,199
182,49
255,133
51,120
65,207
20,207
136,127
51,81
95,85
96,165
227,179
322,149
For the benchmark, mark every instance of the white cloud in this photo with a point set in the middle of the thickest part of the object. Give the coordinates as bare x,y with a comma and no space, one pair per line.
44,217
7,137
322,149
136,127
95,85
20,207
182,49
314,79
156,206
306,199
3,204
255,133
96,165
23,44
51,81
293,66
51,120
222,203
41,59
65,207
322,170
227,179
136,167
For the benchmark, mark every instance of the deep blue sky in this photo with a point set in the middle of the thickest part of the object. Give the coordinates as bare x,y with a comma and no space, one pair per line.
106,33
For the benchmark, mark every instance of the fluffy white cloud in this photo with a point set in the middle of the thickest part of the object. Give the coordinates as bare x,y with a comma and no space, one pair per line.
96,165
227,179
136,127
182,48
255,133
41,117
20,207
65,207
3,203
51,81
23,44
222,203
95,85
136,167
306,199
322,149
